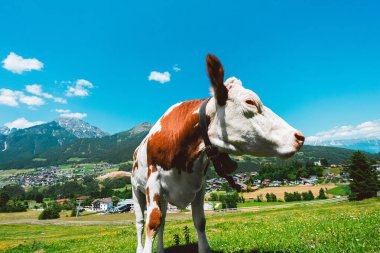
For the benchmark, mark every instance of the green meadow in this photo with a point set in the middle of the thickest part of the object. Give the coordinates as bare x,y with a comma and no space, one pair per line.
335,227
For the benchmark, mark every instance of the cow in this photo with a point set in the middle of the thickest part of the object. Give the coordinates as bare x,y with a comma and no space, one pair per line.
169,165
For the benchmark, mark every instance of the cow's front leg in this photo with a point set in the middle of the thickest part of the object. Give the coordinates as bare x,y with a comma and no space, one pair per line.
154,210
200,222
139,206
160,239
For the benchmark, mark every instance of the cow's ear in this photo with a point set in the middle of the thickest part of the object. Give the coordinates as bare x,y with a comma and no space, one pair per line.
216,74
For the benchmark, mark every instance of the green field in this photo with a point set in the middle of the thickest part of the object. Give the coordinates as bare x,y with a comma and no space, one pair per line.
13,172
342,190
335,227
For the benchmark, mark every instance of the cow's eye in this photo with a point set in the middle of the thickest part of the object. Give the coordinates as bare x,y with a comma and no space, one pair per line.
251,102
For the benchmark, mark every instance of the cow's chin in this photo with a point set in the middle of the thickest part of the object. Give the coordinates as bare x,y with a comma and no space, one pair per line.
286,153
283,153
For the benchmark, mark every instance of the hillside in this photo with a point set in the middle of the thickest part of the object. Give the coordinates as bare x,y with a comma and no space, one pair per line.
113,149
19,147
26,143
56,142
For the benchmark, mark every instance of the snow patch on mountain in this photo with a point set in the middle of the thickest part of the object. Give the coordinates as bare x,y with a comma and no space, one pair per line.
5,146
80,129
5,130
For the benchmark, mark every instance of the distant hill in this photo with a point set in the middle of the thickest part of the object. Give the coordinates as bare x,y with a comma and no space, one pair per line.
56,142
371,145
80,128
113,149
19,147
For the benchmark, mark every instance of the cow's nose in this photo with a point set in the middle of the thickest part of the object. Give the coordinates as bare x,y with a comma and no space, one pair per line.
299,137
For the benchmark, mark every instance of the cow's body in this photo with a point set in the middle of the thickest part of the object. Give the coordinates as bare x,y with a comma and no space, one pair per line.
170,163
178,177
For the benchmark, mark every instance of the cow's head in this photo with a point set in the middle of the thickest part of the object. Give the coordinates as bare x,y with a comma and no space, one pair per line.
241,124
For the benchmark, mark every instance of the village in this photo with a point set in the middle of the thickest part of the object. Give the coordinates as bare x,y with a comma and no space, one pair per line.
51,175
248,181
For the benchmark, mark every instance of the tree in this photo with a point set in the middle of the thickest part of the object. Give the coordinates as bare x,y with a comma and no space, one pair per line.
213,196
230,200
15,192
274,197
50,212
307,195
4,198
39,198
226,187
115,200
322,194
364,182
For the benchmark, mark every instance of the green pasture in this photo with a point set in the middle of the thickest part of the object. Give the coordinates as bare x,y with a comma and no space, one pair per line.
342,190
335,227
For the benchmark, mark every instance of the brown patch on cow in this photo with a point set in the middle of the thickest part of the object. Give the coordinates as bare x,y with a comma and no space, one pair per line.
215,72
151,169
147,195
154,222
135,163
156,199
176,144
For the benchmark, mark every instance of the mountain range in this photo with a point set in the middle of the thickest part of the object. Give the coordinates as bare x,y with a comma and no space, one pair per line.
66,140
371,145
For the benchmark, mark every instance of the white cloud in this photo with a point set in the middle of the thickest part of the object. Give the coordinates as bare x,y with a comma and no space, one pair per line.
76,115
9,97
176,68
36,89
81,88
159,77
64,113
62,110
13,98
368,129
17,64
31,100
22,123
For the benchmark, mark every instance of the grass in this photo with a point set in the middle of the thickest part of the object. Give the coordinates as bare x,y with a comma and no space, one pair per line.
13,172
264,203
342,190
334,170
336,227
75,159
39,160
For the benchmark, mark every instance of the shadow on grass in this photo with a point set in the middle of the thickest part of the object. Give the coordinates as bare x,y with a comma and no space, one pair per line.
193,248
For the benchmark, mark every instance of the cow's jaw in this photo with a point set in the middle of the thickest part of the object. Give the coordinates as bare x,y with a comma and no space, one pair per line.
249,128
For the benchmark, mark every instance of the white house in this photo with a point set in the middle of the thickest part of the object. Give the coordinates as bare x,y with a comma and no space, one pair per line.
101,205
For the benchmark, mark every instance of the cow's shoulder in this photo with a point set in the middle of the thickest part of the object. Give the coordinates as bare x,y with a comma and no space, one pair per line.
174,142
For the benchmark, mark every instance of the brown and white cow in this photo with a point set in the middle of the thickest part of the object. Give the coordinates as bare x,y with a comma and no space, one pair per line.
170,163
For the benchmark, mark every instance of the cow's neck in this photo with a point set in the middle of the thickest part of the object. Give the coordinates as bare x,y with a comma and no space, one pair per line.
178,142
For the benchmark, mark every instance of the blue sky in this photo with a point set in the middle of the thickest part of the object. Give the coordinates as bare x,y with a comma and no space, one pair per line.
314,63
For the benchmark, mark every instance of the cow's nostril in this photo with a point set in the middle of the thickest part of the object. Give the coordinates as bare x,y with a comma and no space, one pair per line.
299,136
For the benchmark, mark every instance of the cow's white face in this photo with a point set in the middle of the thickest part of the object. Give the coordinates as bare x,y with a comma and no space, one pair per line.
241,124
